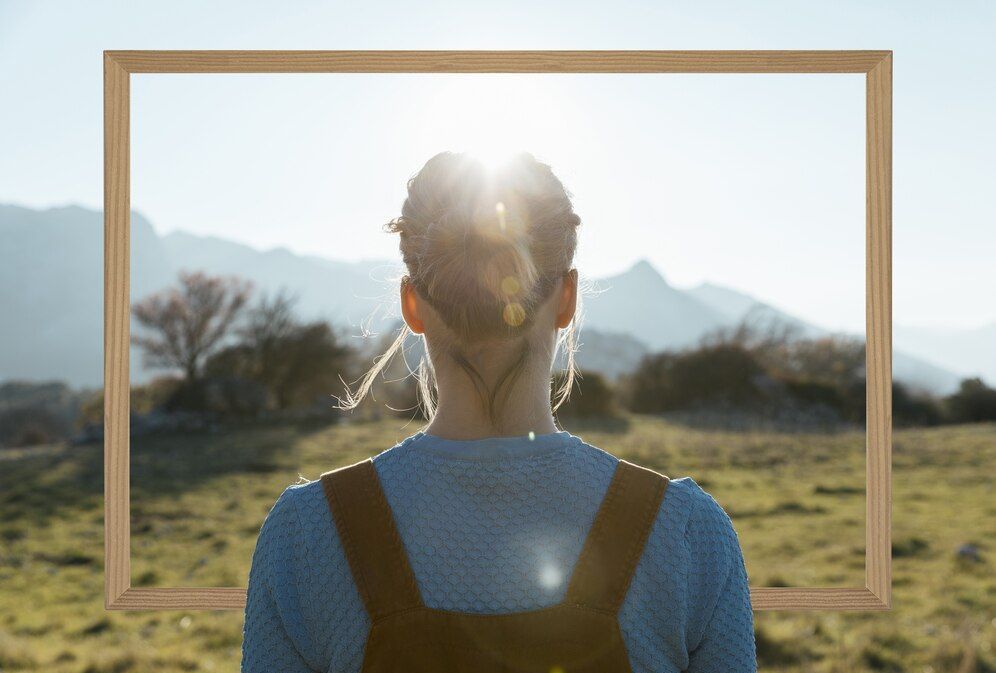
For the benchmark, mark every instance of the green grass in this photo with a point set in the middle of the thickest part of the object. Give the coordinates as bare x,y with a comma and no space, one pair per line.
797,501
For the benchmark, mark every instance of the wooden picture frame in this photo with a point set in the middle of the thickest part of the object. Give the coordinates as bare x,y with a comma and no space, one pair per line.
877,68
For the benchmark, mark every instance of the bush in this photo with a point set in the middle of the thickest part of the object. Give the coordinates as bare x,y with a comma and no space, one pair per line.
974,402
591,396
815,393
848,400
30,426
820,378
909,408
297,367
37,412
142,399
724,374
221,395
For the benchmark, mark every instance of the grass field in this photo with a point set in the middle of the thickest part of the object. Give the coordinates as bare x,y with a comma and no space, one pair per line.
797,501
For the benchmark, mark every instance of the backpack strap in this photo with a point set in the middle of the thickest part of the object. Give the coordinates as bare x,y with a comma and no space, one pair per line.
615,543
370,538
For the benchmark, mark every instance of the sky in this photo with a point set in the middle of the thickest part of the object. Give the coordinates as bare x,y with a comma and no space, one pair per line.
751,181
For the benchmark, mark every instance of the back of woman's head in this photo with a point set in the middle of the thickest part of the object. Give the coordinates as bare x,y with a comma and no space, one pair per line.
484,247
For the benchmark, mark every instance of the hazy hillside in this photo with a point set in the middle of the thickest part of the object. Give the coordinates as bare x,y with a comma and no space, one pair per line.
641,303
51,305
734,305
51,266
970,351
611,353
347,293
911,365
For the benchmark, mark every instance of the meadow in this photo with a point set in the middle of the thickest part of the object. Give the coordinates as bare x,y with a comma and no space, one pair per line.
796,499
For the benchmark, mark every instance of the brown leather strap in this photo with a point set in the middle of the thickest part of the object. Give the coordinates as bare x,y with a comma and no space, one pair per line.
370,537
615,543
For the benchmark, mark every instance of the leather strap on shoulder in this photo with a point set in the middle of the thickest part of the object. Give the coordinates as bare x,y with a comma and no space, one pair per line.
370,537
615,543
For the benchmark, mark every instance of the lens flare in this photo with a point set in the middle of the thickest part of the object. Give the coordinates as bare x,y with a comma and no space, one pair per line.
550,576
514,315
500,211
492,155
510,286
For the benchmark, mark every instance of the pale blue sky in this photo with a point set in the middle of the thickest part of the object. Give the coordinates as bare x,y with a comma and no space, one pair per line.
752,181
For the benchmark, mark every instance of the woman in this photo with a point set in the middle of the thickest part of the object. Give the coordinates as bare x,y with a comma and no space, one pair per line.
491,540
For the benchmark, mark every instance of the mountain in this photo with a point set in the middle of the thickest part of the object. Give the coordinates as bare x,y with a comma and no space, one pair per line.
971,352
910,364
51,305
51,268
346,293
610,353
640,302
735,305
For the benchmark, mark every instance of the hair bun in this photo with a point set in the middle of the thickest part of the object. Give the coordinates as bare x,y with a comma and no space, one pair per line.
484,247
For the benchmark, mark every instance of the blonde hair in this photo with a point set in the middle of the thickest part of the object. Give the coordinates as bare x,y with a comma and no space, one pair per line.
484,247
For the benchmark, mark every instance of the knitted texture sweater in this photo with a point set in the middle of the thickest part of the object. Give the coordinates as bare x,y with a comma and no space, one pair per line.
494,526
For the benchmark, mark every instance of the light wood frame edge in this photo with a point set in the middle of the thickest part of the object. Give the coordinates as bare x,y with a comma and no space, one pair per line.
877,66
762,598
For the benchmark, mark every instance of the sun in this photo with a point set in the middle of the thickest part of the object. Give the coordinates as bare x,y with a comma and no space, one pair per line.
493,155
494,117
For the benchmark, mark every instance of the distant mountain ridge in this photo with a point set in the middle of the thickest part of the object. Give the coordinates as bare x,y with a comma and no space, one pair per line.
912,367
734,305
52,271
639,302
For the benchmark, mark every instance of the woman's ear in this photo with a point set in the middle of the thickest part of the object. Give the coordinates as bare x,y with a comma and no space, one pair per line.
410,307
568,304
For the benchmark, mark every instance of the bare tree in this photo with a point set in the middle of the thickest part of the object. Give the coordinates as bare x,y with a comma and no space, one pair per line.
188,322
267,326
757,331
296,361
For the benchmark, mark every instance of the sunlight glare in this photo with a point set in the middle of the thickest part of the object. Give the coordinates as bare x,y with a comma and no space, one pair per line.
493,154
550,576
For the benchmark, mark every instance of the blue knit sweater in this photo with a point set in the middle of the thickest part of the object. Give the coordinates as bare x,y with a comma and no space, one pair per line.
493,526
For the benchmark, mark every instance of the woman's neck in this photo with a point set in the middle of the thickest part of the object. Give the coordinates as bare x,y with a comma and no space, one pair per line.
461,414
451,424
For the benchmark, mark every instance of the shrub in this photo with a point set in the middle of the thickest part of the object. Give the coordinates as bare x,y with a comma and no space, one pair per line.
30,426
222,395
909,408
298,366
591,396
34,413
974,402
725,374
816,393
